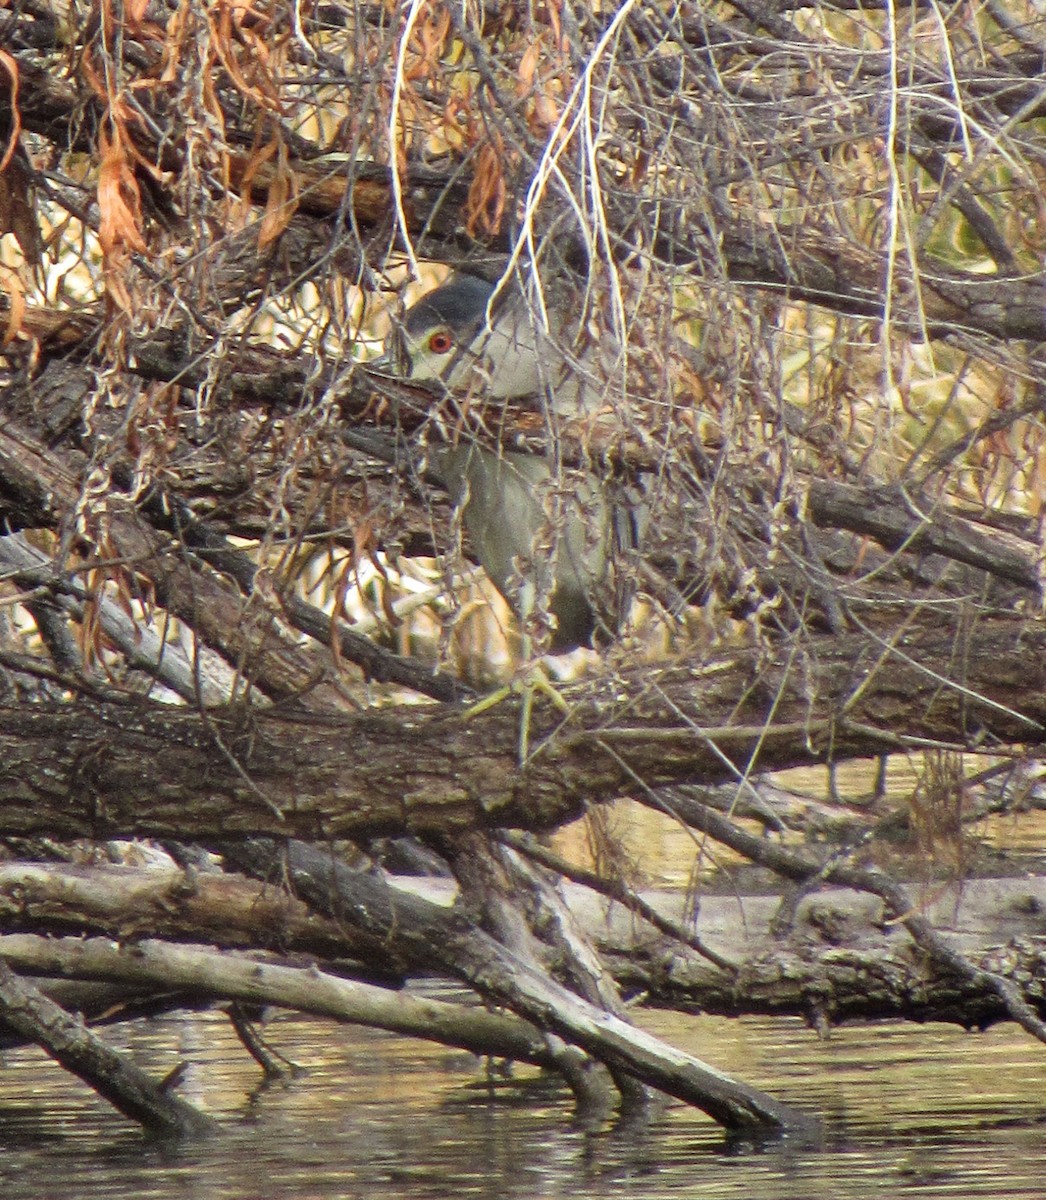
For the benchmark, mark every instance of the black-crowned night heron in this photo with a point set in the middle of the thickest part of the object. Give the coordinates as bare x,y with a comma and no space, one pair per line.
537,534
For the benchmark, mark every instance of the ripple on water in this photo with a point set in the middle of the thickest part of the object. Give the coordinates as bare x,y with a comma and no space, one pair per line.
926,1113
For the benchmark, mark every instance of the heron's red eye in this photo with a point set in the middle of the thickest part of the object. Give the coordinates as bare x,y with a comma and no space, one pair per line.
441,342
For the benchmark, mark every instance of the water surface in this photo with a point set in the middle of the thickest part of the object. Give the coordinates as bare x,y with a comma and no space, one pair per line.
908,1111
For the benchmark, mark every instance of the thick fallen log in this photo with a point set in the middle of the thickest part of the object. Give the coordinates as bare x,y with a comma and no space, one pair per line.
105,769
829,956
129,902
210,975
833,955
806,871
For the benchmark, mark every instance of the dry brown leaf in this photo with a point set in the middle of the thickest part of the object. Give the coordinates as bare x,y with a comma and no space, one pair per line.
488,193
528,66
134,12
119,200
281,201
431,37
243,54
552,11
17,213
15,290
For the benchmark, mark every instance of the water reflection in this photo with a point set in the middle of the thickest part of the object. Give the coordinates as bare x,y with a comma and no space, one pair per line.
923,1113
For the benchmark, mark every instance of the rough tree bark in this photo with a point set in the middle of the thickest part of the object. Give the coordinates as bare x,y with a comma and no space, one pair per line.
137,768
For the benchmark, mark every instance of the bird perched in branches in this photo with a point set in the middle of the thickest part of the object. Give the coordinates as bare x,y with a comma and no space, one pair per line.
535,538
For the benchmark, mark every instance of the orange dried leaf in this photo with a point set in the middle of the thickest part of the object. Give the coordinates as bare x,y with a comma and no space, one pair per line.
135,10
12,285
545,111
528,66
228,36
119,200
552,11
432,34
488,193
90,619
252,165
281,202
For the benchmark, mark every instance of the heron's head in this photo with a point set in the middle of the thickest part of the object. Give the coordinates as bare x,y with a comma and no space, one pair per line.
436,341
